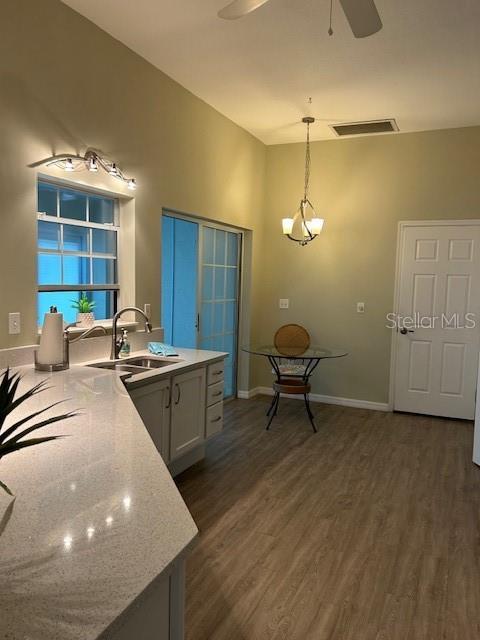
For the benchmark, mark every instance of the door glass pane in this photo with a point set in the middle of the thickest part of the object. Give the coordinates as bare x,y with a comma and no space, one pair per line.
75,238
207,284
220,246
208,245
206,319
48,236
73,204
220,284
101,210
232,249
47,199
230,316
231,284
218,311
76,270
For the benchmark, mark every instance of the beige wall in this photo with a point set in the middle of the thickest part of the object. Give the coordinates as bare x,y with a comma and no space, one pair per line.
66,85
362,187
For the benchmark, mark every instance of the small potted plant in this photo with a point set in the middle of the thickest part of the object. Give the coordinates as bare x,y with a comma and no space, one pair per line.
84,307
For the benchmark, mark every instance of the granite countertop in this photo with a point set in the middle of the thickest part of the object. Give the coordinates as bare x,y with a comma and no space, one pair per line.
97,515
185,360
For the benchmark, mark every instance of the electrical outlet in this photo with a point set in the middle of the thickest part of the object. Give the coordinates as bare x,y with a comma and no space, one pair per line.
14,323
283,303
360,307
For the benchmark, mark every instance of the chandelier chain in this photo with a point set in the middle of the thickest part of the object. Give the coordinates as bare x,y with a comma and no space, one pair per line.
307,164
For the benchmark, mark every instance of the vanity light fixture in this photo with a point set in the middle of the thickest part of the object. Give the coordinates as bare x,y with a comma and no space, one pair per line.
91,161
310,225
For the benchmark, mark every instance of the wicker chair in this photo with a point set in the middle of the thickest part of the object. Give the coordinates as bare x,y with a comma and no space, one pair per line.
291,340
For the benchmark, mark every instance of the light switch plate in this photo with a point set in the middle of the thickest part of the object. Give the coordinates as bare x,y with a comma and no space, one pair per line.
283,303
14,323
360,307
147,310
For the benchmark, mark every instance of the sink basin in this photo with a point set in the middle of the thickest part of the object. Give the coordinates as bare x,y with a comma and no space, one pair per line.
149,363
134,365
119,366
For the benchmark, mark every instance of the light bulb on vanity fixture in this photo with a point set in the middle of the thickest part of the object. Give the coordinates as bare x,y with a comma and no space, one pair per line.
113,171
92,165
310,227
131,184
69,166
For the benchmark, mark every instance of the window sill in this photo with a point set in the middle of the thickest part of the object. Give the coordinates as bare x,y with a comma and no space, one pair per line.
107,324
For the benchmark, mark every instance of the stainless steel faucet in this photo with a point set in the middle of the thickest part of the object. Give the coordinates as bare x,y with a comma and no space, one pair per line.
116,344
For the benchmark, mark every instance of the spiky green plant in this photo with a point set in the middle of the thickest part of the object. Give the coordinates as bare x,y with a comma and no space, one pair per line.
11,437
83,305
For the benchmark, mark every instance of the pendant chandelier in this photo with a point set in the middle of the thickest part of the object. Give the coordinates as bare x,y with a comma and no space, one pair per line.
305,216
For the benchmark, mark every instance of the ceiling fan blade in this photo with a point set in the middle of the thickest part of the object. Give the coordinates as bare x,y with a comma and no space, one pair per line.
362,16
239,8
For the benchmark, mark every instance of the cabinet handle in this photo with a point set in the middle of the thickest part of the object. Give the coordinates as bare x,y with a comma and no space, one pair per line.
217,419
218,373
179,393
219,393
169,400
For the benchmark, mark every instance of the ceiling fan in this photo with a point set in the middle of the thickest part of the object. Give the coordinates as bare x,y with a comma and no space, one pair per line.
362,15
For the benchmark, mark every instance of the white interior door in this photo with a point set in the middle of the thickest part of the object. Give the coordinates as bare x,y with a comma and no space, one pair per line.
437,339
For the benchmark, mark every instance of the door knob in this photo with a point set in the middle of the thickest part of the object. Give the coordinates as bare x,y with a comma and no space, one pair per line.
404,331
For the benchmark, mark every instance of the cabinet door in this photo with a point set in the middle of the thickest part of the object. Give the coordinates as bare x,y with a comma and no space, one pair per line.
188,412
152,402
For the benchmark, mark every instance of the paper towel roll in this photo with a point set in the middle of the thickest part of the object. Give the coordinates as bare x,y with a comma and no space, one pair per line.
50,350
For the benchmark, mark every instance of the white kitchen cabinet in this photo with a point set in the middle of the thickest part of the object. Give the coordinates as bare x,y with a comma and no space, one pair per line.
188,412
153,403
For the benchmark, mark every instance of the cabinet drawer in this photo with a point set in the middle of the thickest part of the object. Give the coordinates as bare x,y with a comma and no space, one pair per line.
215,372
214,393
214,422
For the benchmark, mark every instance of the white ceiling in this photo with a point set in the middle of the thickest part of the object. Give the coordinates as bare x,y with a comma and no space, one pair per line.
422,68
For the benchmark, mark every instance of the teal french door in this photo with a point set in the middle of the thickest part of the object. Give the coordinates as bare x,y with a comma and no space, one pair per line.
200,288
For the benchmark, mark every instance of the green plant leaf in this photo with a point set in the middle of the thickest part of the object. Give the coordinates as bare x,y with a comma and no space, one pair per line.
14,427
5,488
39,425
6,448
8,404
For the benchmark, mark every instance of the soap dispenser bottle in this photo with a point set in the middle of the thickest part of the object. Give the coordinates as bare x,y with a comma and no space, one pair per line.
125,345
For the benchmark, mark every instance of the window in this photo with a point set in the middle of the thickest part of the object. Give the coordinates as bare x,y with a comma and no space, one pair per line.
77,250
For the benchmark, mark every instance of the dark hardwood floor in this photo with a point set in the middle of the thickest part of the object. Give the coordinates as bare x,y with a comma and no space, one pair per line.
368,530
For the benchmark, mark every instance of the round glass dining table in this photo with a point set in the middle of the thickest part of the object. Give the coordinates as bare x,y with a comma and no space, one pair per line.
301,362
290,362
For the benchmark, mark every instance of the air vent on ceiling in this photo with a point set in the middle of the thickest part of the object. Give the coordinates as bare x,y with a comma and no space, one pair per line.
364,128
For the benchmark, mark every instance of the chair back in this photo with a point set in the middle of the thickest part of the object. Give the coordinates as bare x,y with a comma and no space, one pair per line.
291,340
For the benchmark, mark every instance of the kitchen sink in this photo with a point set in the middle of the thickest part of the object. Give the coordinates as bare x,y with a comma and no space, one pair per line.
149,363
118,366
138,364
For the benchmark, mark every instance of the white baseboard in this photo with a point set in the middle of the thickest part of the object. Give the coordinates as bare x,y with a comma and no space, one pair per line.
317,397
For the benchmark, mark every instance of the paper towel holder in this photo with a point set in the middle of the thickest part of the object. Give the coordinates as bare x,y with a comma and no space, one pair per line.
65,364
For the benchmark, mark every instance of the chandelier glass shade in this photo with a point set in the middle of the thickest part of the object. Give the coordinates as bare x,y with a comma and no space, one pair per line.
305,222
